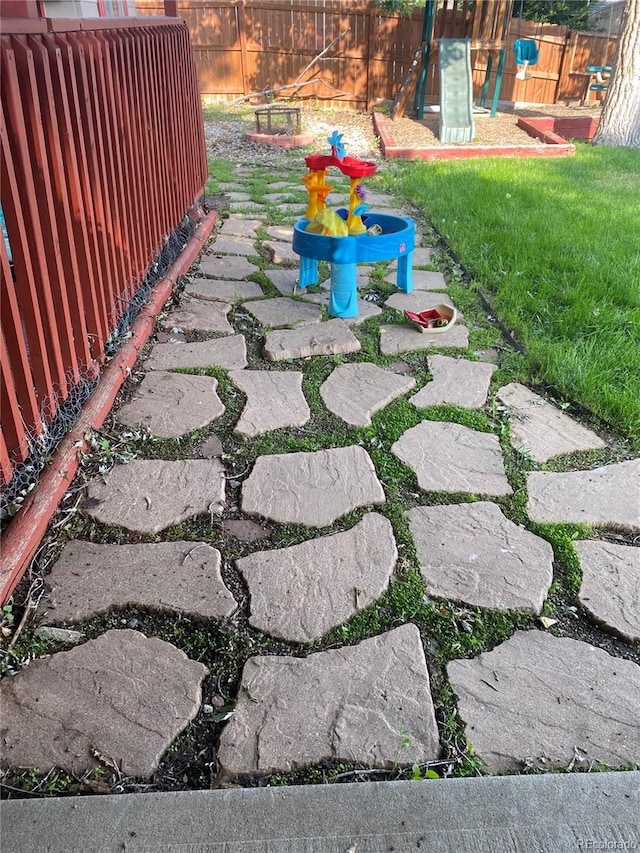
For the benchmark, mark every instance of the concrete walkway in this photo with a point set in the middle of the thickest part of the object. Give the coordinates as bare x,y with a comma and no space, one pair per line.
535,700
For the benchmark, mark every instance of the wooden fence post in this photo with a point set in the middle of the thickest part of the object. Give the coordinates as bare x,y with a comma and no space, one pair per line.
242,32
367,57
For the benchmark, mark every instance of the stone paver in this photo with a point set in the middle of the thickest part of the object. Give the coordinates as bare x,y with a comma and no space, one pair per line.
148,495
354,392
210,448
226,268
541,430
419,300
606,496
223,291
199,315
240,227
368,704
281,253
610,589
233,245
170,337
302,592
456,381
245,530
276,198
311,488
172,404
282,233
252,207
239,196
286,281
274,401
229,352
473,554
448,457
282,311
121,696
395,339
328,338
366,309
421,258
363,274
182,577
423,280
537,698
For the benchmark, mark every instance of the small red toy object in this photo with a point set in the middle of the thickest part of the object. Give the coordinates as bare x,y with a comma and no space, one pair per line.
434,320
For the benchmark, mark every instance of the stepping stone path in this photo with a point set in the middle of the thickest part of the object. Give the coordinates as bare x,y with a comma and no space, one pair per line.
421,258
199,315
147,495
448,457
419,300
226,268
422,280
283,311
328,338
455,381
172,404
286,281
536,699
347,572
541,430
282,233
397,339
281,253
368,703
68,709
356,391
365,309
274,401
610,589
224,291
240,227
232,245
89,579
473,554
605,497
229,352
311,488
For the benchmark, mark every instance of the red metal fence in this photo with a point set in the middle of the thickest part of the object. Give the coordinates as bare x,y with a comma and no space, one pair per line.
102,155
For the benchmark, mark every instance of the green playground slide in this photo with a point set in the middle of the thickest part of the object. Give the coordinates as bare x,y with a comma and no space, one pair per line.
456,91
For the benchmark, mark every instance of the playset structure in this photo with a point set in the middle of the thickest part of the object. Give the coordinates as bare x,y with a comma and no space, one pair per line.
482,26
348,236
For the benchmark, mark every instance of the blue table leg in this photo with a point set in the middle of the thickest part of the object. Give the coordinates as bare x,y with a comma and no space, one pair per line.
343,300
404,280
308,272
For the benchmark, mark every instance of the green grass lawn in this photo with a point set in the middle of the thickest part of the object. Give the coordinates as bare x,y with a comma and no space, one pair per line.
555,244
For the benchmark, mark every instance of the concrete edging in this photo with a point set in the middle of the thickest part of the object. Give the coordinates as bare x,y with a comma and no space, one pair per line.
550,812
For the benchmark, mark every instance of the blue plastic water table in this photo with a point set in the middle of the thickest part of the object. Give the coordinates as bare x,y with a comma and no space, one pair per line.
345,253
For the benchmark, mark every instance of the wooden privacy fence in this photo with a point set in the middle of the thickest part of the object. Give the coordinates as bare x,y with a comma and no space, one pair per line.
245,46
102,155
